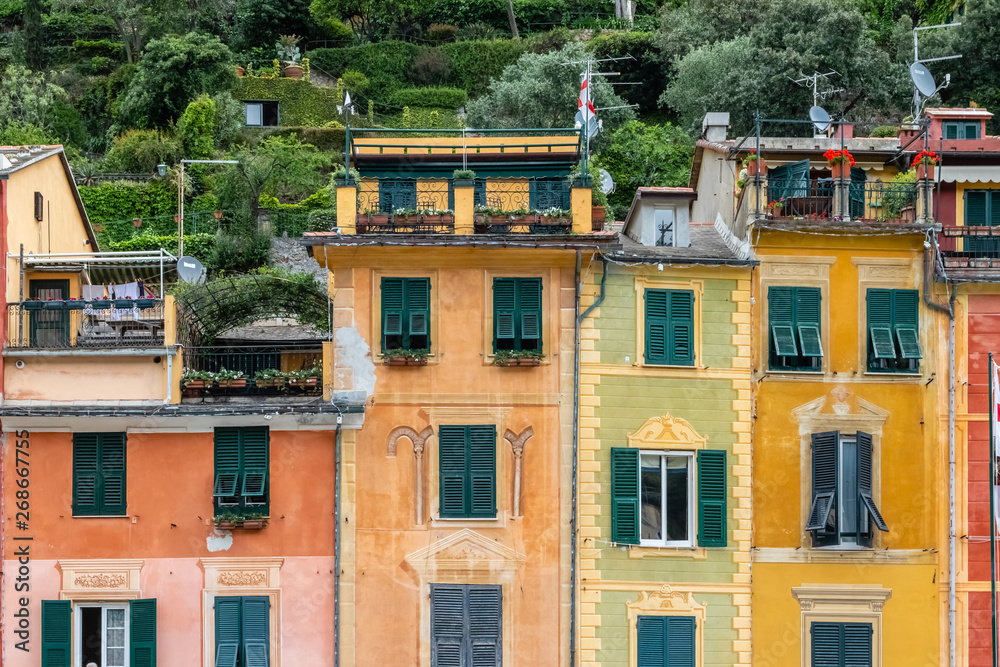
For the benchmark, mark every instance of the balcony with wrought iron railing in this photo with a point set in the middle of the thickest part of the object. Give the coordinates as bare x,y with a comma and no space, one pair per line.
820,200
291,373
78,324
971,252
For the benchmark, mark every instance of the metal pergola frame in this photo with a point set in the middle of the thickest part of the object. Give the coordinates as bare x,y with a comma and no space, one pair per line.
83,260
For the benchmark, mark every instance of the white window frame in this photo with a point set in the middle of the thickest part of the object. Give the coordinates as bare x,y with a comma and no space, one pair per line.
78,630
673,226
260,114
692,481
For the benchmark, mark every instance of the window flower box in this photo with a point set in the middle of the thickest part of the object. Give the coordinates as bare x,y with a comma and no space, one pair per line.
100,304
145,303
53,304
517,358
304,383
232,383
74,304
124,303
34,305
398,357
270,382
230,521
527,361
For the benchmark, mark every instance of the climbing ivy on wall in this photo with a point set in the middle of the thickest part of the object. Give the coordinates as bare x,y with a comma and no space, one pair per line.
299,102
124,200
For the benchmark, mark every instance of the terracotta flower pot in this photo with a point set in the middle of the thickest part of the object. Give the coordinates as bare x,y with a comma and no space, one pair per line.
218,215
497,219
240,71
841,170
925,171
293,71
137,222
757,167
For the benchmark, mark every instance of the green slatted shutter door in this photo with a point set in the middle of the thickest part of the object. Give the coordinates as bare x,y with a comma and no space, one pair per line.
392,313
712,529
625,495
681,345
142,640
482,471
807,321
866,453
227,467
56,633
826,645
529,304
656,326
680,641
651,642
777,182
880,338
418,314
857,645
227,631
906,322
504,313
825,454
486,625
256,464
994,206
781,320
856,192
975,208
798,179
113,474
255,619
452,467
448,616
86,474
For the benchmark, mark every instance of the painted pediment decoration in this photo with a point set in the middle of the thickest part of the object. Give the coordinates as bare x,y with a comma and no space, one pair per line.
666,432
840,411
469,548
666,601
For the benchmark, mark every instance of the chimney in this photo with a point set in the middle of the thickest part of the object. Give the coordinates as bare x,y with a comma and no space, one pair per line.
846,128
715,126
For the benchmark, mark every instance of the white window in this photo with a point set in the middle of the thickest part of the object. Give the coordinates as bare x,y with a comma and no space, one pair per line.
666,499
255,114
102,634
663,226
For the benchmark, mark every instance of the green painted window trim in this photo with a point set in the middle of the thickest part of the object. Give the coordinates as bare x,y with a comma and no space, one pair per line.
242,469
467,473
666,641
795,321
893,330
99,474
517,314
841,644
406,313
669,327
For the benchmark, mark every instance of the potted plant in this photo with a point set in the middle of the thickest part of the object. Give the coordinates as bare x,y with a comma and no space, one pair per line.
517,358
403,357
403,215
557,216
270,378
306,379
137,222
230,379
227,520
840,162
74,304
774,207
463,178
254,521
53,304
145,303
34,304
924,164
193,382
344,177
755,164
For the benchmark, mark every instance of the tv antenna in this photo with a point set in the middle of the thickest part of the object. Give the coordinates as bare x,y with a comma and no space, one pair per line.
586,118
924,85
813,81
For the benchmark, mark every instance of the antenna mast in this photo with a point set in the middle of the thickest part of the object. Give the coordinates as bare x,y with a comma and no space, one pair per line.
813,80
917,64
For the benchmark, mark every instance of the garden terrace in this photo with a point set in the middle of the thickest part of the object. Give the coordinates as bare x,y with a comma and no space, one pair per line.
971,253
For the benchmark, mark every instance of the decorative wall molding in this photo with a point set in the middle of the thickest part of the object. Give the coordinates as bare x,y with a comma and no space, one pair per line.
517,442
666,432
241,576
888,269
100,579
665,602
237,572
466,550
795,266
418,439
839,603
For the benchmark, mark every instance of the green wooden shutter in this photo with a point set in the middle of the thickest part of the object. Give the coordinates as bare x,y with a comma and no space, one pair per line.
657,323
681,346
227,631
625,495
392,311
529,304
826,645
972,130
452,471
651,641
227,467
856,192
880,324
86,473
56,633
857,645
994,206
777,182
113,474
866,451
680,641
142,640
418,313
807,321
485,614
906,315
256,463
781,320
825,452
798,179
482,471
975,208
504,313
712,498
447,625
951,131
255,618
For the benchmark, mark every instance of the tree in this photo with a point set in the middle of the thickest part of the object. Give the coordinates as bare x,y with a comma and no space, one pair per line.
539,91
258,23
196,128
645,155
698,23
34,44
173,71
512,19
27,97
130,18
370,19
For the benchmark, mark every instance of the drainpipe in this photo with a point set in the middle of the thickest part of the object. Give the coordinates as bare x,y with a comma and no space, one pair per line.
576,447
336,548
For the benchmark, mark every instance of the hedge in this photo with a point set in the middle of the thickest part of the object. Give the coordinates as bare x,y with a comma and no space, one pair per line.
299,102
324,138
195,245
474,64
440,97
125,200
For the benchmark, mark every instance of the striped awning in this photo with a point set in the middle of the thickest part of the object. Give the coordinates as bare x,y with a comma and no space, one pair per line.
107,274
969,174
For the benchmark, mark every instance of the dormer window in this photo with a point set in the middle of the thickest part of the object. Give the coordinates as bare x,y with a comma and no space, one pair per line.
960,129
663,226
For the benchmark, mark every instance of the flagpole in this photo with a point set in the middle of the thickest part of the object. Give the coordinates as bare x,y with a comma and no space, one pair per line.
993,533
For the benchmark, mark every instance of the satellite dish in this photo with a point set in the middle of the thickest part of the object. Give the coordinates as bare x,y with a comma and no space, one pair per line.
607,183
579,119
190,270
820,119
593,127
922,79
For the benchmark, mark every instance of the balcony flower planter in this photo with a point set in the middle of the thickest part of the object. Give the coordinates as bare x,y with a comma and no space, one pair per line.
908,214
270,383
145,303
34,305
253,524
925,171
558,220
245,524
598,216
235,383
497,219
378,219
193,388
124,303
54,304
100,304
842,170
430,219
305,383
755,165
74,304
405,361
515,361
